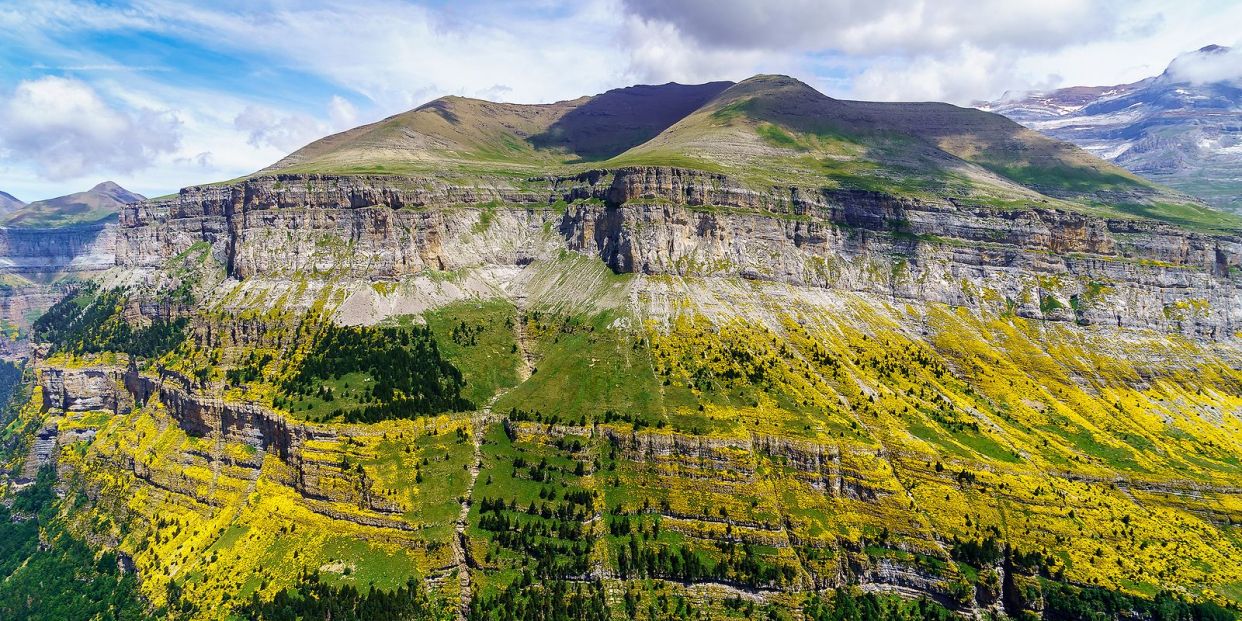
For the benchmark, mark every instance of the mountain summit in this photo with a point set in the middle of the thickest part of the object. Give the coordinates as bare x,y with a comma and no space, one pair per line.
1182,128
97,204
768,129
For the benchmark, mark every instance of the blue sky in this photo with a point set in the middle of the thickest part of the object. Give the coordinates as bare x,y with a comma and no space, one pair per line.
159,94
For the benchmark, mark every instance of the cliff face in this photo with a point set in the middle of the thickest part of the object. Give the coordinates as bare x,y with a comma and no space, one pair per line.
42,254
1036,262
35,259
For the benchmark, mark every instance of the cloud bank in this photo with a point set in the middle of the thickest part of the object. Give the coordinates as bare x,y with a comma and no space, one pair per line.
1211,64
66,130
178,92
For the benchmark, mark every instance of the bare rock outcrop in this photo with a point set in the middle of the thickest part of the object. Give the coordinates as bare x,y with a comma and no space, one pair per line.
1036,262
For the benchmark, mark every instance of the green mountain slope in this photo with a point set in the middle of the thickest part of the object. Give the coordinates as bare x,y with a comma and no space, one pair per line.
97,204
763,130
8,202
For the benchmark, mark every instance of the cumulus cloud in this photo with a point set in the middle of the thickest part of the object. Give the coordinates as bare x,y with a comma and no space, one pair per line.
658,53
64,129
287,132
1211,64
882,26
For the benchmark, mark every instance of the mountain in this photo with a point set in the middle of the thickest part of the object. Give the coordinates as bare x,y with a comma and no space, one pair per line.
767,129
8,203
46,244
1182,128
669,352
97,204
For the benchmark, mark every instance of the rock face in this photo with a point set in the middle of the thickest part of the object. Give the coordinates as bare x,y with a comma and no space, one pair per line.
37,259
44,242
1036,262
43,254
87,389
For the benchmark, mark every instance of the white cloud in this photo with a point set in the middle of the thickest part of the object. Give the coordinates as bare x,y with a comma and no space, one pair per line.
65,129
1204,66
883,27
385,56
954,50
269,127
658,53
202,160
399,55
956,78
266,126
341,113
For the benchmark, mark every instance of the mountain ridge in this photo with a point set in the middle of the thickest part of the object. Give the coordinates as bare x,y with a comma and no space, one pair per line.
98,204
1169,128
787,357
766,129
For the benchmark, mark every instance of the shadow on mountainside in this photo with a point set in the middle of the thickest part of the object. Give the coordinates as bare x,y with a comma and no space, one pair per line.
613,122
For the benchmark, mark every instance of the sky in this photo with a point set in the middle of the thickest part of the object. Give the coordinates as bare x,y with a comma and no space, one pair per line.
160,94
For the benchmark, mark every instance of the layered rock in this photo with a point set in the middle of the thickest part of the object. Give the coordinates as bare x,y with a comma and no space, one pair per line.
87,389
42,254
36,260
1037,262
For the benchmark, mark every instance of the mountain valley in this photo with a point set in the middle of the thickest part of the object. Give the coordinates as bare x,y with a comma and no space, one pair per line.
668,352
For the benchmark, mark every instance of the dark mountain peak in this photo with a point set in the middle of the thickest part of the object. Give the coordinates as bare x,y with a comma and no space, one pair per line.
114,191
774,85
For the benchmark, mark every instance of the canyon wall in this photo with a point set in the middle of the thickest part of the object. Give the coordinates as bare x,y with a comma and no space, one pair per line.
1036,262
43,254
34,262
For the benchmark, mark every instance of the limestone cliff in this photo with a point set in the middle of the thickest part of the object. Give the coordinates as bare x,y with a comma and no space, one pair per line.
1036,261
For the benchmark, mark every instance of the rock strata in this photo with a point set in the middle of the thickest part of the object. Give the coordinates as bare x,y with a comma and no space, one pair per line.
1036,262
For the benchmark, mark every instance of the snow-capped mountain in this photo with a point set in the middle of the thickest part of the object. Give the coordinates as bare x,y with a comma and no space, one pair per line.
1182,128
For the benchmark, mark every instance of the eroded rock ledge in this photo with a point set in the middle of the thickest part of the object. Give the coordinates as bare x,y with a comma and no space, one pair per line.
1037,262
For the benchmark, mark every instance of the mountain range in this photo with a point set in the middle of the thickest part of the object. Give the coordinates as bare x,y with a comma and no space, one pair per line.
717,351
1182,128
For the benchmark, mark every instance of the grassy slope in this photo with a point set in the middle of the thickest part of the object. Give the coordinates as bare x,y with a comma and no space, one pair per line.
1058,442
763,131
99,204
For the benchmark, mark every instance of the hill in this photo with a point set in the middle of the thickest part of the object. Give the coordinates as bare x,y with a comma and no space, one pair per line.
98,204
765,130
9,203
1179,128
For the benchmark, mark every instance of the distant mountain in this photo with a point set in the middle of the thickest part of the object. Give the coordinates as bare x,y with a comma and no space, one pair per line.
8,203
1182,128
97,204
